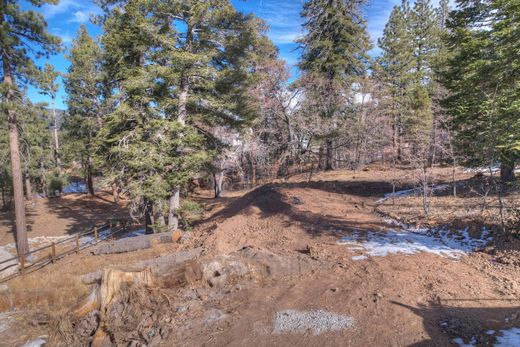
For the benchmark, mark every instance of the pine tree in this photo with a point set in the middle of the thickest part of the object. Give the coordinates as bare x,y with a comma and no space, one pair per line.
412,58
396,62
334,50
18,30
83,84
36,146
207,68
483,80
50,87
142,144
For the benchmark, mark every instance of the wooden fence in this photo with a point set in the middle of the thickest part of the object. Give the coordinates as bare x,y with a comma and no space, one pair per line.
40,257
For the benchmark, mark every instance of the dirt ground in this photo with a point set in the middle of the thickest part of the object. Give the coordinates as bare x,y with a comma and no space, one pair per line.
419,299
66,215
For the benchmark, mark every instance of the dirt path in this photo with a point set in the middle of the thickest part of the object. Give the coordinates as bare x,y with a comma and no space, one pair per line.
67,215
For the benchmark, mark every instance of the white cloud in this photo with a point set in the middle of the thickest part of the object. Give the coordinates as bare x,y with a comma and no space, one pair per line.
63,6
79,11
80,17
285,24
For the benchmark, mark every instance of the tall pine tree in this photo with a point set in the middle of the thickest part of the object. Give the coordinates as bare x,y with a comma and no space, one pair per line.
483,77
19,30
83,84
334,51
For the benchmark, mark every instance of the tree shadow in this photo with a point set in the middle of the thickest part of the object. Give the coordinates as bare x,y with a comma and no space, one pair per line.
270,201
71,214
444,322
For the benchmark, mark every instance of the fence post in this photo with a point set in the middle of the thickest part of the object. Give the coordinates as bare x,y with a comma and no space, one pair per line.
77,244
123,222
111,236
22,263
53,251
95,234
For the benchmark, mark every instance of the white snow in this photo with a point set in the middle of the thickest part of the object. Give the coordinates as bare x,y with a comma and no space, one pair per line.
461,343
75,187
508,338
410,192
407,240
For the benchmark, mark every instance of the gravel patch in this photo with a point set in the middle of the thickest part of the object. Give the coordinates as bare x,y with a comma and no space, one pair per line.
318,321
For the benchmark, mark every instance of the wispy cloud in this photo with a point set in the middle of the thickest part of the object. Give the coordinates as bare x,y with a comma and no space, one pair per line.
64,6
77,11
283,17
80,17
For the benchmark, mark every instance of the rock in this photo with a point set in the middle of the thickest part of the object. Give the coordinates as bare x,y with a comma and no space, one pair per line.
4,288
223,271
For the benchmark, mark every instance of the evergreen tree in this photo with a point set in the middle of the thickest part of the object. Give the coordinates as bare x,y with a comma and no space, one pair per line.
143,146
20,29
50,87
83,84
334,51
36,146
412,58
483,77
207,67
396,62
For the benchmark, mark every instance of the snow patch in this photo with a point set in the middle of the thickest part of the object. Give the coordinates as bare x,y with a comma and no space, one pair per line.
409,241
460,342
318,321
508,338
75,187
410,192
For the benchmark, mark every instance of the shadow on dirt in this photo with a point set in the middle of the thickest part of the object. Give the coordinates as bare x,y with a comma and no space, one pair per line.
270,201
78,212
444,322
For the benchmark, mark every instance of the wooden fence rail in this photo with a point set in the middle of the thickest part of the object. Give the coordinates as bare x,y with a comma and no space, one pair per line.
40,257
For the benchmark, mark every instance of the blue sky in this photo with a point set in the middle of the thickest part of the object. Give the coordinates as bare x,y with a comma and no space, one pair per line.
283,17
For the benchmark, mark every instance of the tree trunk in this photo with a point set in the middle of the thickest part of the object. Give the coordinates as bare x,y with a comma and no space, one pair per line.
159,217
22,244
328,162
320,159
507,171
90,179
28,190
4,203
55,136
173,218
115,193
433,143
218,179
43,180
148,213
253,165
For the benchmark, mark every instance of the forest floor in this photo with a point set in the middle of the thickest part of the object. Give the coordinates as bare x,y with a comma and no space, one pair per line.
328,262
63,216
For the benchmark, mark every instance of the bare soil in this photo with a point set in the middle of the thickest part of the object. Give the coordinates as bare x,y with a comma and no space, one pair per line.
65,215
397,300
